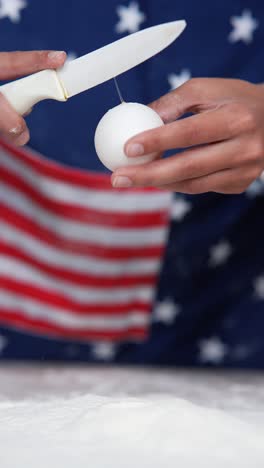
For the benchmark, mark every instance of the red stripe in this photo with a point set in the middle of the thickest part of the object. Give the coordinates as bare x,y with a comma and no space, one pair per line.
25,224
56,171
56,299
82,214
15,318
81,279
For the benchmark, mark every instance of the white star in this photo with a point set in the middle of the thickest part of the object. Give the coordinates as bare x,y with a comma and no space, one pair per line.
166,311
220,253
104,351
177,80
243,27
212,350
255,189
259,287
180,208
3,343
12,9
130,18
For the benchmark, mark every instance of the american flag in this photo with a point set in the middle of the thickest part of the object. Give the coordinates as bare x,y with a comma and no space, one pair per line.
92,274
79,260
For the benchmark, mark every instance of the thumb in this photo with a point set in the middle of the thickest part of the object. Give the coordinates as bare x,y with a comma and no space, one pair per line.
16,64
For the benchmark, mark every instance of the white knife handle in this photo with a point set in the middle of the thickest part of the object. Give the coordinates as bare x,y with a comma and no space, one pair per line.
24,93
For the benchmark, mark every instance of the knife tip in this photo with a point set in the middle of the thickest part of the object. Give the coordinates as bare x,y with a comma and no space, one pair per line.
176,28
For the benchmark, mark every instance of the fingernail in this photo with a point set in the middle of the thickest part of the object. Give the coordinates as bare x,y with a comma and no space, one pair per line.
16,130
122,182
134,149
56,55
22,139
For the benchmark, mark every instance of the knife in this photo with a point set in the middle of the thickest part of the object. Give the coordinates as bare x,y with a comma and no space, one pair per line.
92,69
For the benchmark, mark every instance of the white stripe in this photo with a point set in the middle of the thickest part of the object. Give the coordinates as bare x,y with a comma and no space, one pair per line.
55,316
83,294
131,202
72,230
73,262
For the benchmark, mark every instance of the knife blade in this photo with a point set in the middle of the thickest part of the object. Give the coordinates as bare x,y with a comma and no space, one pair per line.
116,58
92,69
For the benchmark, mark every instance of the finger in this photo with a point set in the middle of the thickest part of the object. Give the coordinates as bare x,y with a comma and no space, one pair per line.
229,181
170,107
28,112
186,97
12,126
186,165
15,64
199,129
195,95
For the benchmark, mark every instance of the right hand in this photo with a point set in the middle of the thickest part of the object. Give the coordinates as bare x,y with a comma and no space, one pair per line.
17,64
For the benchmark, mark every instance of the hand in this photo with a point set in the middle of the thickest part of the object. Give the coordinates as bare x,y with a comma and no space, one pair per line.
13,65
224,139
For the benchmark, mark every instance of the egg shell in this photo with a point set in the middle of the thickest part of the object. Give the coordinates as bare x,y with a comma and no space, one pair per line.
117,126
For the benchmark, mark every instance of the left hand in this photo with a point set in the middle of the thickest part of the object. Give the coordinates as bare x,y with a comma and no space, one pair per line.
224,140
13,127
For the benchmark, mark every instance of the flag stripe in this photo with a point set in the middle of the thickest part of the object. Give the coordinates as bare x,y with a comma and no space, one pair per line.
68,320
79,213
32,229
82,293
67,229
16,319
48,168
129,201
120,280
70,262
50,298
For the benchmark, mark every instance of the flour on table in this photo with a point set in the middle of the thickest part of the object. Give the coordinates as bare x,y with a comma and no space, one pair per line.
72,429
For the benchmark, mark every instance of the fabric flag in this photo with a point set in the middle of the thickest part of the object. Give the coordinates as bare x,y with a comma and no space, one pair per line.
78,260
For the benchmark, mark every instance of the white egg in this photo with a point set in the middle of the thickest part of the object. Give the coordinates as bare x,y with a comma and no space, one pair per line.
117,126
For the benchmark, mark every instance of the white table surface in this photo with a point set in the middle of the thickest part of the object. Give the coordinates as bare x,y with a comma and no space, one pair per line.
101,417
